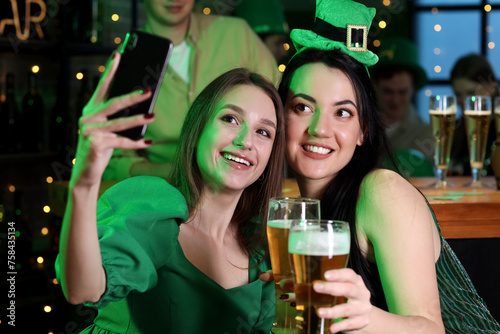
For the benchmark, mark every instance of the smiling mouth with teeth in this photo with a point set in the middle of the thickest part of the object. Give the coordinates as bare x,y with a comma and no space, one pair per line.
316,149
228,156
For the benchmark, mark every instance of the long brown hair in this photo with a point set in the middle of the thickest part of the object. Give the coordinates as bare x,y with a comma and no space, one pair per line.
187,178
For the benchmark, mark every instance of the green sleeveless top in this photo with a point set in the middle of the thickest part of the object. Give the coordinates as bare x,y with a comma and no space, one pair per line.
151,285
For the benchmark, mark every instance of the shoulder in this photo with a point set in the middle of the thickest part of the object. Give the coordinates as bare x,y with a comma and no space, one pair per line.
218,21
144,194
386,197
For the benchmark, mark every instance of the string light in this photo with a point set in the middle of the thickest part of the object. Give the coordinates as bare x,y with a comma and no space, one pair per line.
35,68
102,68
387,3
382,24
46,209
49,179
47,309
437,68
437,51
435,10
286,46
39,260
428,92
437,27
79,75
207,11
118,40
12,188
282,68
45,231
491,45
376,43
115,17
487,8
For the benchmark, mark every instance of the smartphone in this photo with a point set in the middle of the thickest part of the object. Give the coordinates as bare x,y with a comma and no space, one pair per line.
144,59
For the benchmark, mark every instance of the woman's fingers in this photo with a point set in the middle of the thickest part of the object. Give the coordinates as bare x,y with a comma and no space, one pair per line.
114,105
116,125
103,86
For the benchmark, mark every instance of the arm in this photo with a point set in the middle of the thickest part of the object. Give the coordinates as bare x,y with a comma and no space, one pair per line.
394,218
82,275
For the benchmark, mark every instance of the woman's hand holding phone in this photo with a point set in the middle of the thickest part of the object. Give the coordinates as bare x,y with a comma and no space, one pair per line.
98,136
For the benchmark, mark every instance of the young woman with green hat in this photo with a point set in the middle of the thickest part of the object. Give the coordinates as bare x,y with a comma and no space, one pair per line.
335,140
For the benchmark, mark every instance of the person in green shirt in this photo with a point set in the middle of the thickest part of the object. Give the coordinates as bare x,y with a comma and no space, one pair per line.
184,257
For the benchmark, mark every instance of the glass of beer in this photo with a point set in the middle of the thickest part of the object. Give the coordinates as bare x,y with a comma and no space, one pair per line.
442,111
316,246
477,117
282,212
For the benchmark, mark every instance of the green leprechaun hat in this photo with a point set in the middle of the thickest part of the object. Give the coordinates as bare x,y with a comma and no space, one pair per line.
339,24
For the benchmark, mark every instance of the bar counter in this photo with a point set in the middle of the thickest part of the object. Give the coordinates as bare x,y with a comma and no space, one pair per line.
476,214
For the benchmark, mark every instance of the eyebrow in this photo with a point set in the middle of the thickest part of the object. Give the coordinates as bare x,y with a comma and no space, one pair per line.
242,112
313,100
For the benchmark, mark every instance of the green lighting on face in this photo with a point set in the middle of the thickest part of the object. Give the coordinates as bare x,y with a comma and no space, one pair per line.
18,212
59,119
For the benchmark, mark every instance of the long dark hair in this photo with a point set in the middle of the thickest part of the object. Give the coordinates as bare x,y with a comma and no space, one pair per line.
187,178
341,195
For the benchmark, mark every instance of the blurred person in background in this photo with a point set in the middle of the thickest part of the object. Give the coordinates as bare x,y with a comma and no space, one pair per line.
396,77
205,46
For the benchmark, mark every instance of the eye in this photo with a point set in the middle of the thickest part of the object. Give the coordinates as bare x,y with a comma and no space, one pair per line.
344,113
229,119
264,132
302,108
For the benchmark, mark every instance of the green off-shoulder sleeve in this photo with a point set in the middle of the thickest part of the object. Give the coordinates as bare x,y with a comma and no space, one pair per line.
138,224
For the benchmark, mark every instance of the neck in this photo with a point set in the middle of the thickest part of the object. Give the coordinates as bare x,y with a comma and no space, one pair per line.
312,188
213,214
175,33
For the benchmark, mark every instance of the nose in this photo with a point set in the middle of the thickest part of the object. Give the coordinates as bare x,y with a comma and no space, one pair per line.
243,139
320,127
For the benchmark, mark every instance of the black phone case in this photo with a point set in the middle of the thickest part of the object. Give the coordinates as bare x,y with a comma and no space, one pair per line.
144,59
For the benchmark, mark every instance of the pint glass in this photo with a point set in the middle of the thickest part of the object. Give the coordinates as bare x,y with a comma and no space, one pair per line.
316,246
282,212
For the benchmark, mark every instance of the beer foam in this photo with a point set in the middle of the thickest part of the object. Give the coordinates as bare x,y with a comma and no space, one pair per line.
447,111
477,112
319,243
280,223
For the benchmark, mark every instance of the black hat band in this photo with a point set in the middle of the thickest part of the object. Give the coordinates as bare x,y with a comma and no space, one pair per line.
355,36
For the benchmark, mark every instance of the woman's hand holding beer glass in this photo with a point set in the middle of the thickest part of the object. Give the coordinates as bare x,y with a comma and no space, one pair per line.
319,250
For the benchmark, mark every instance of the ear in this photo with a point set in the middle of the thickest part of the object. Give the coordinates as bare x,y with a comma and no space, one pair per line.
360,138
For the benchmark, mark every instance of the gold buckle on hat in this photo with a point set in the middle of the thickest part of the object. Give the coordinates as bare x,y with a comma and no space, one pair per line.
356,46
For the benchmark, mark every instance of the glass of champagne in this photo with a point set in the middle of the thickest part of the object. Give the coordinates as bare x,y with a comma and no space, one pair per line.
316,246
442,111
282,212
477,117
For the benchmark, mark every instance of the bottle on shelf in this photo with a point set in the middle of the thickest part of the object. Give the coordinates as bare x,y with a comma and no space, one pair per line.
10,116
33,120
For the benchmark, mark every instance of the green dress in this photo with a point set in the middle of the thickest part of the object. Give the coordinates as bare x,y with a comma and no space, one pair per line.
151,285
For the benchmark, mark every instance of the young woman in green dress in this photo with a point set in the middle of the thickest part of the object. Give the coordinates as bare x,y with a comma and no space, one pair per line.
183,257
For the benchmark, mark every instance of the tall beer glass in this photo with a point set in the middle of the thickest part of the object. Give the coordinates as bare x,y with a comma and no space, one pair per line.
477,117
442,111
282,212
316,246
